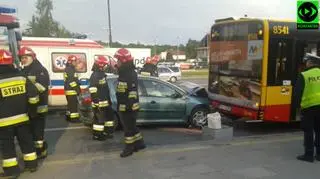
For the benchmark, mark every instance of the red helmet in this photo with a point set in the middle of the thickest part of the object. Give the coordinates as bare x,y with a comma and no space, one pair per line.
148,60
123,55
72,58
5,57
26,51
101,61
155,59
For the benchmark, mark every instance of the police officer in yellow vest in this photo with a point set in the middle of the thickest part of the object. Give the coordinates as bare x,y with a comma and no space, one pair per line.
307,94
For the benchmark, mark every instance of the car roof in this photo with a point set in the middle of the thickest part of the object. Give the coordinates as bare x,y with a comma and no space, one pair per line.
114,77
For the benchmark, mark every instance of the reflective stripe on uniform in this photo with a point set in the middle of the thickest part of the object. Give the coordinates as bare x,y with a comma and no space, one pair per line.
133,94
65,75
145,74
32,78
138,136
74,115
12,81
38,144
70,92
73,84
121,87
7,121
40,88
98,127
30,157
135,106
103,104
109,124
122,107
103,81
129,140
11,162
34,100
93,90
42,109
94,105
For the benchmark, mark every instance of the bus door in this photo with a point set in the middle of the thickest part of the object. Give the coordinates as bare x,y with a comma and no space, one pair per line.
280,72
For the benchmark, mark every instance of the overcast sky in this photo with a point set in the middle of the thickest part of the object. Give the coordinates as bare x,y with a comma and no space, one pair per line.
148,20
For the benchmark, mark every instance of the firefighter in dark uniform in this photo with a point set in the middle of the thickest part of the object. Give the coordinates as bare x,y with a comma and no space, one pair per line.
18,100
128,102
103,124
150,68
307,96
72,89
40,78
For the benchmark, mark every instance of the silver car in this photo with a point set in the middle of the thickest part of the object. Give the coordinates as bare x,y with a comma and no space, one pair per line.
171,74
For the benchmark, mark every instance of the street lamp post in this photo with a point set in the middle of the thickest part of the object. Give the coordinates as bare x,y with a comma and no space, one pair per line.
177,48
109,19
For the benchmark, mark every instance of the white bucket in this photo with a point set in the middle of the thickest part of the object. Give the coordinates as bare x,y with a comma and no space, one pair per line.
214,120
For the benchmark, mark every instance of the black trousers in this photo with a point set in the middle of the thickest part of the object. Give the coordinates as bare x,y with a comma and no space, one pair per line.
103,120
310,123
131,132
72,112
37,125
24,136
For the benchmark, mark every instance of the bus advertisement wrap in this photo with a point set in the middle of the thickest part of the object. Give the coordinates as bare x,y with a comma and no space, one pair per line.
239,68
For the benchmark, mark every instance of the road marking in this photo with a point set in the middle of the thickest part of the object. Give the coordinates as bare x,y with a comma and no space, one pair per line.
164,150
65,128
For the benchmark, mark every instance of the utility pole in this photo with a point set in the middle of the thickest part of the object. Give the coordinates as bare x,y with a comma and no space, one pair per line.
177,55
109,19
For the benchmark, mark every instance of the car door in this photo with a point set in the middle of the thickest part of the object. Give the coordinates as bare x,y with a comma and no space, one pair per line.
164,74
142,102
163,102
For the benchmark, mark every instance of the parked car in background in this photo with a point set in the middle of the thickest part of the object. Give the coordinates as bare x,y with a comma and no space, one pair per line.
171,74
160,102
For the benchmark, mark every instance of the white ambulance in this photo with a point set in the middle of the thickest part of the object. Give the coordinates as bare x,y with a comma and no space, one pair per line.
53,54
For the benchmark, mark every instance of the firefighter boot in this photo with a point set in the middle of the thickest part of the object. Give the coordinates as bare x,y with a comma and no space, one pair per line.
42,152
99,136
31,166
108,132
10,173
139,145
13,176
307,157
127,151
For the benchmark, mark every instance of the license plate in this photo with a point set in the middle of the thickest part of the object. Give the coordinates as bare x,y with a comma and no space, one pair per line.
223,107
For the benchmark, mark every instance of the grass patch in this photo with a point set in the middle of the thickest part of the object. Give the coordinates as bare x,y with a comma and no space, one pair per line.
195,73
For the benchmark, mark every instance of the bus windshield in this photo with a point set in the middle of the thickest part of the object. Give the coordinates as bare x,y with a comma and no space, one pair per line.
236,54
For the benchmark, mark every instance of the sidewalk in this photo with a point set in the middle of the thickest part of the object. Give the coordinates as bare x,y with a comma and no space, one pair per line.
260,157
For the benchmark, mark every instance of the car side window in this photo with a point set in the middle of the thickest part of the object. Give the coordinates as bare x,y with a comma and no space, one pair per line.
156,89
141,90
160,70
166,70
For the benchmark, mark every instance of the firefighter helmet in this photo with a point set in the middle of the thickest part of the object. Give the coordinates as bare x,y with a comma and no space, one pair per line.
123,55
27,51
5,57
148,60
155,59
72,58
101,61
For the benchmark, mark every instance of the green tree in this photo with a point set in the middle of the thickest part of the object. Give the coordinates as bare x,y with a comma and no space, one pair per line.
190,48
42,23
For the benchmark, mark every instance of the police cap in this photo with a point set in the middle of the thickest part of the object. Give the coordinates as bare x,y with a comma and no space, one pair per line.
311,57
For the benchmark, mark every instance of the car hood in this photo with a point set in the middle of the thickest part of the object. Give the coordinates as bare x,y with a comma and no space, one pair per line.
193,89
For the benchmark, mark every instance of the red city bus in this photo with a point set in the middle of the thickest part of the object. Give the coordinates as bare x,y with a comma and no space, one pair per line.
253,67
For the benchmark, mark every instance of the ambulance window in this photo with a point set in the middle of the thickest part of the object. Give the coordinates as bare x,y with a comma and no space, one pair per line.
59,61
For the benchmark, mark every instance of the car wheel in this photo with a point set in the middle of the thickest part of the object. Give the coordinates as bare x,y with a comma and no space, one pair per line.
173,79
198,117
